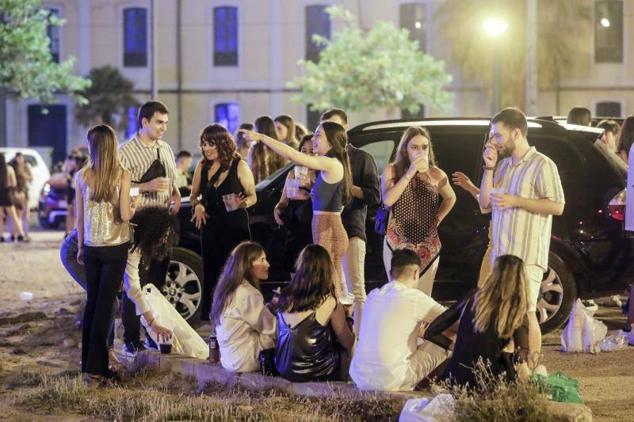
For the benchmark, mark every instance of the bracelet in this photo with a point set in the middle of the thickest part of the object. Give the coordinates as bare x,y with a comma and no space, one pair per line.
488,168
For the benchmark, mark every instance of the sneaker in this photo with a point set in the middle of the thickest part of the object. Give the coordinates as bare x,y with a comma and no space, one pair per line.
149,343
130,348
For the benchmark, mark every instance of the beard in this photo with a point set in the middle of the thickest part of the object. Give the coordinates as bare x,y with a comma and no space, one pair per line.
506,149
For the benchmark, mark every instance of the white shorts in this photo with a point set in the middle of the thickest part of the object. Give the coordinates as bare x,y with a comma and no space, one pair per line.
534,277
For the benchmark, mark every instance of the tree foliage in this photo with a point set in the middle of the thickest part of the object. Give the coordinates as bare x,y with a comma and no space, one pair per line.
561,26
109,98
366,70
26,65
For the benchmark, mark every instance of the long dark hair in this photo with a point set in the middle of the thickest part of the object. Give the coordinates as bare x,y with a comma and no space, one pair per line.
289,123
219,136
504,295
4,177
236,270
401,162
338,139
312,282
626,137
156,231
264,161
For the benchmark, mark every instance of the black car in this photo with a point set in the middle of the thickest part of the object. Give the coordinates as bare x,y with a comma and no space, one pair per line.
590,255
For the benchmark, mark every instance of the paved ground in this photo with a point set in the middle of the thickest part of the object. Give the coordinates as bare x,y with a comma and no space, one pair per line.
607,379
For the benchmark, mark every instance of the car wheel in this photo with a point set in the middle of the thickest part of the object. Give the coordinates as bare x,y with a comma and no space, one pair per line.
557,295
183,283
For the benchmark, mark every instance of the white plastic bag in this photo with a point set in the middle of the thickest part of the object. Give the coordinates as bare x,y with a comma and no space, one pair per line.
186,340
583,333
617,341
438,409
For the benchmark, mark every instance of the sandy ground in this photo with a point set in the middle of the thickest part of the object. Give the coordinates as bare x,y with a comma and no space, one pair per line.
49,343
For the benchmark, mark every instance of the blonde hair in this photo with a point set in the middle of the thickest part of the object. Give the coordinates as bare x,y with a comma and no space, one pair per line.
104,167
504,293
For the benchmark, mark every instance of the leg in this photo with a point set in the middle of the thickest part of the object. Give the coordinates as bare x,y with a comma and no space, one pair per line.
387,258
113,266
485,267
630,309
426,280
211,267
424,360
68,256
534,276
93,277
2,215
16,224
353,265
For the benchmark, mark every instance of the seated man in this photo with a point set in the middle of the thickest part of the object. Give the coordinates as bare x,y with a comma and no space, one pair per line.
387,356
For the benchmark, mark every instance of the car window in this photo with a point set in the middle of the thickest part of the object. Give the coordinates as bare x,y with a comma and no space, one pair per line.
266,182
30,159
381,151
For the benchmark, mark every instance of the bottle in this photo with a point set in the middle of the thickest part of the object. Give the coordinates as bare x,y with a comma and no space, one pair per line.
214,349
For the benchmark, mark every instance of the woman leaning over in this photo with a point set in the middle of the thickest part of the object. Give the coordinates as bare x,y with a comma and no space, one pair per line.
330,192
7,207
411,187
314,339
224,183
103,235
244,325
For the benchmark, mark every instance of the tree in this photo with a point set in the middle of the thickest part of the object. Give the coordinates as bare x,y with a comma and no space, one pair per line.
26,65
109,98
561,26
364,71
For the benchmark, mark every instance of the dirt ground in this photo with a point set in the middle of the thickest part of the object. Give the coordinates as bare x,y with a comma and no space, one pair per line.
41,335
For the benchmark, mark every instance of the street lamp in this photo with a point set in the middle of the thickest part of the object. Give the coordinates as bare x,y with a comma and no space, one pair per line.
494,27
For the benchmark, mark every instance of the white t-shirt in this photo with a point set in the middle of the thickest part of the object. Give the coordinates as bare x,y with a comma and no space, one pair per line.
387,339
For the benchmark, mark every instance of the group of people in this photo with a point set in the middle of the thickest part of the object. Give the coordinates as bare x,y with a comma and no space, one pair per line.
322,326
15,177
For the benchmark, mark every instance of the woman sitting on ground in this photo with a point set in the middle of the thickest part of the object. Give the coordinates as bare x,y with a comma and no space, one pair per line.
489,319
244,325
314,339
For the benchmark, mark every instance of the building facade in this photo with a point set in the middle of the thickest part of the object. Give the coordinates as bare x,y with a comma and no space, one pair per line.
230,61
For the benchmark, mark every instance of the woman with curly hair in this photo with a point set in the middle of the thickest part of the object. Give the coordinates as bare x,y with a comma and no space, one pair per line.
225,185
262,160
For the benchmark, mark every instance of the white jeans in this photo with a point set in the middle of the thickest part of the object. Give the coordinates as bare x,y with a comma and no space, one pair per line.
354,268
426,280
425,359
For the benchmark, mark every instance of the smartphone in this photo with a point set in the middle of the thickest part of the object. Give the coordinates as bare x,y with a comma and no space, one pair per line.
135,191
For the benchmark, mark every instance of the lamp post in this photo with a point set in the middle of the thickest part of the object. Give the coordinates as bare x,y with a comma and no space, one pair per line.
495,27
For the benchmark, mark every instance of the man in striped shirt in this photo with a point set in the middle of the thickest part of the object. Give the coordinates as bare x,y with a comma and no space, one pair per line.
523,193
137,155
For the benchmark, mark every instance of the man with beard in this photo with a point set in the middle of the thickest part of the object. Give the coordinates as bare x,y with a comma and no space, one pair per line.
523,193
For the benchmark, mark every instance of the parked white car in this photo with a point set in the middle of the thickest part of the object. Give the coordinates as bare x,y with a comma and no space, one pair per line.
41,173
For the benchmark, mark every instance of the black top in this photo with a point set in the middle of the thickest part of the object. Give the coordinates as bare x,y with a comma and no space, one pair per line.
470,345
212,195
306,352
327,196
365,175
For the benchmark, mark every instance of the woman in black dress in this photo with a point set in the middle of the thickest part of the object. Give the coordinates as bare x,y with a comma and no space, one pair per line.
222,189
490,320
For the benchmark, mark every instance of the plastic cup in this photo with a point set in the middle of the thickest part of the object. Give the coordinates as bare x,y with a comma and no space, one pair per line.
232,201
165,346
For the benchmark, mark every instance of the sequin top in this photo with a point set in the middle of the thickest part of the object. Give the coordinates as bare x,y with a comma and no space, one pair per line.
102,221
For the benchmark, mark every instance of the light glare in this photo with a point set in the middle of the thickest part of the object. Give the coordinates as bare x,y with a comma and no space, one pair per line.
495,26
605,22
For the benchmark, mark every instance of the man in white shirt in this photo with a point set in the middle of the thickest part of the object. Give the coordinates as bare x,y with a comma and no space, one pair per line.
395,316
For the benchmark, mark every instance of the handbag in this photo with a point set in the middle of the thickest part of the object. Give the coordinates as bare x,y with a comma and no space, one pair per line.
155,170
380,220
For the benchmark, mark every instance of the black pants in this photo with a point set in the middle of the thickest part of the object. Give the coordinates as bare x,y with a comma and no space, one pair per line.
104,272
155,274
217,240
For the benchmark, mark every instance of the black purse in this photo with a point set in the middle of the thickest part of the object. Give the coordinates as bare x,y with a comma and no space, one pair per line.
380,220
156,169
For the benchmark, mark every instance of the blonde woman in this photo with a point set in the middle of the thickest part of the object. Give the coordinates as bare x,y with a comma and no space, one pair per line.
7,208
411,187
488,321
103,210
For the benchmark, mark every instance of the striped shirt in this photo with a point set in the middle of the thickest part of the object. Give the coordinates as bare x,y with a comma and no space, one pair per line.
517,231
136,157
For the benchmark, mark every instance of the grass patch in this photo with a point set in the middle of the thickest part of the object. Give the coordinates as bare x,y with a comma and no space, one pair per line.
152,397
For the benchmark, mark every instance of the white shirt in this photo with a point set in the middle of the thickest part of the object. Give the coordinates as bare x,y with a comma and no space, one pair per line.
132,282
246,328
387,339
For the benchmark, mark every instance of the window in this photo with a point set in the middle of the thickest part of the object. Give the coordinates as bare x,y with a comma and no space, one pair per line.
133,125
228,115
135,37
405,114
381,151
312,118
317,22
225,36
608,109
412,18
53,35
608,32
